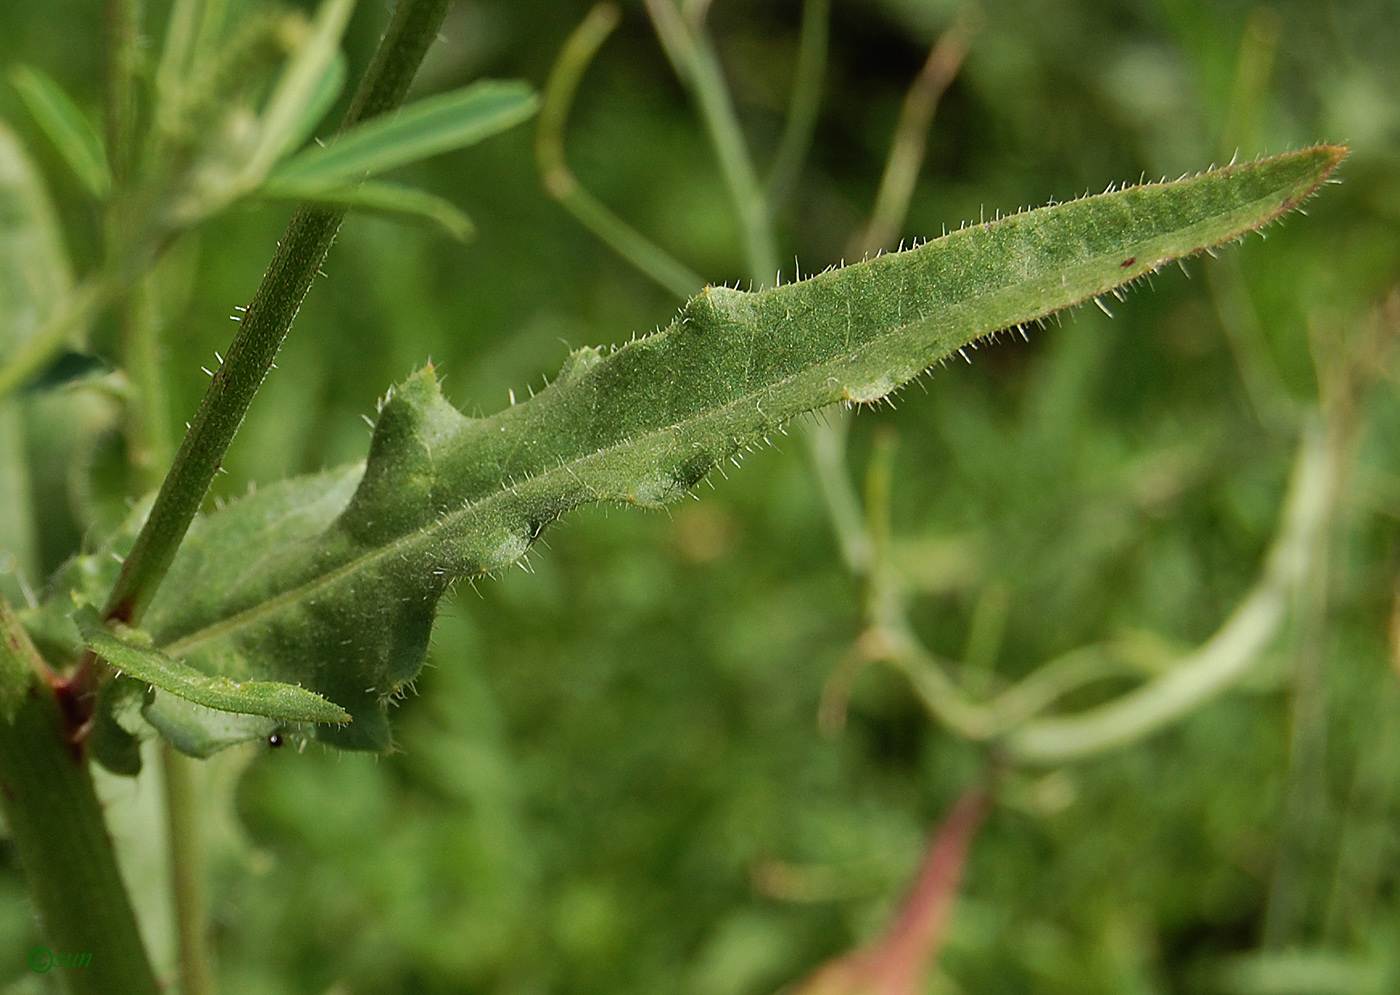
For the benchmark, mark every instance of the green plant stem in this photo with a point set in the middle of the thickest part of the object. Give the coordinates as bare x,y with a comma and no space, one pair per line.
1254,67
148,437
298,259
123,67
890,637
906,156
187,873
804,103
303,248
694,57
1268,395
826,442
412,28
213,14
1227,654
56,823
1011,715
879,479
560,182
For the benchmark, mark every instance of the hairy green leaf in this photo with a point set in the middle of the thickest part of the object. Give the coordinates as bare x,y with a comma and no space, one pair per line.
426,128
297,585
131,654
72,134
384,198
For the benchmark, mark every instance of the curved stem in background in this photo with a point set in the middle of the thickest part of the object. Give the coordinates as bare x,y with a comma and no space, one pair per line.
906,156
804,104
560,182
1010,717
692,53
1223,658
298,259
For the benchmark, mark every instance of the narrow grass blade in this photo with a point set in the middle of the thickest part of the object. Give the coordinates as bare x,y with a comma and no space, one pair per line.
426,128
269,698
384,198
303,83
318,105
71,133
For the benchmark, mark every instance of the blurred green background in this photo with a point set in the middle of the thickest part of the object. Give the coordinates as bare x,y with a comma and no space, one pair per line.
610,777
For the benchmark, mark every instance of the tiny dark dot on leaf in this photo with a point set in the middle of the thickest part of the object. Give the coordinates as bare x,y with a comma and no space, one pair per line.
1128,262
274,741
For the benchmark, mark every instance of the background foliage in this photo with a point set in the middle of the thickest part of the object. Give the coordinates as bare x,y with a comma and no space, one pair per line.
611,778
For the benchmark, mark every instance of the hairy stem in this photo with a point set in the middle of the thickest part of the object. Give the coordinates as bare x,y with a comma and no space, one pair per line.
56,823
299,256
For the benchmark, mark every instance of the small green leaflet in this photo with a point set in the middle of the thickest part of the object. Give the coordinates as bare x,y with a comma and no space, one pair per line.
337,172
272,699
425,128
384,198
71,133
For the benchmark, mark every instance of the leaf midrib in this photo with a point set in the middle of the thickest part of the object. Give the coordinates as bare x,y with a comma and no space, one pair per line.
367,560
